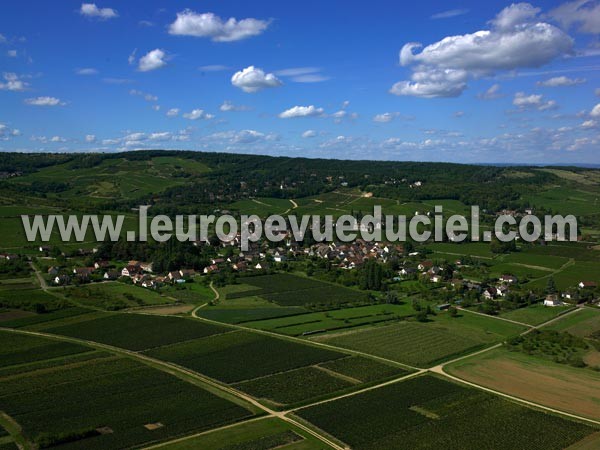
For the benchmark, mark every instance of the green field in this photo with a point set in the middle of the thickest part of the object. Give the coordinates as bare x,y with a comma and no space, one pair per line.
238,355
136,331
107,403
114,296
262,434
570,276
581,323
424,344
310,323
430,413
535,314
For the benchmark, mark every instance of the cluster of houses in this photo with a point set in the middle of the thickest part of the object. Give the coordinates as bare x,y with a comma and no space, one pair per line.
353,254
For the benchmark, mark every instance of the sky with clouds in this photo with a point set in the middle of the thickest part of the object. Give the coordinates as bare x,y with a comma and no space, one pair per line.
492,81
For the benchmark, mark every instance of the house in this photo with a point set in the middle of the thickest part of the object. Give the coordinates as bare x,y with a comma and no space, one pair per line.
587,285
279,257
511,279
187,273
101,264
211,269
425,265
146,266
8,256
240,266
174,275
62,279
217,261
434,278
130,270
111,275
552,300
407,271
490,293
261,266
53,271
83,271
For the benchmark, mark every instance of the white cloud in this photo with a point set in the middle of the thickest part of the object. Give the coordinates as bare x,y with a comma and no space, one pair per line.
301,111
449,14
13,83
44,101
145,23
91,10
252,79
309,134
131,57
303,74
11,53
57,139
7,133
2,39
190,23
385,117
146,96
117,80
533,101
517,39
227,106
595,111
589,124
597,92
459,114
243,137
154,59
173,112
197,114
583,13
156,107
213,68
561,81
86,71
89,138
492,93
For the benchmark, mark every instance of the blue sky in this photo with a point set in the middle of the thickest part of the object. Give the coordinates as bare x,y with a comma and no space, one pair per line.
488,82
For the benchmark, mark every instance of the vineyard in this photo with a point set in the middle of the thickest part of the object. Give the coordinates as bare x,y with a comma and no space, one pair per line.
428,412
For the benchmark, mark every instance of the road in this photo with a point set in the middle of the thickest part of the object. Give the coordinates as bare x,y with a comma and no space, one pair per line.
40,278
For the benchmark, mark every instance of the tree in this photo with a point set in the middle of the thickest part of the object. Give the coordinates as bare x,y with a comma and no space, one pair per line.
551,286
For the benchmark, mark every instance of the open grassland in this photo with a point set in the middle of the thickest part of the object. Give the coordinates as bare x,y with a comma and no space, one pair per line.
34,300
238,355
194,293
262,207
262,434
310,323
559,386
534,260
577,251
581,323
565,200
114,295
430,413
108,403
535,314
137,331
476,249
424,344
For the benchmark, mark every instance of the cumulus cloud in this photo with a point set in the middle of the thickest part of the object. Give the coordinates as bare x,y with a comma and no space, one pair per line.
301,111
154,59
7,133
89,138
173,112
92,11
243,137
197,114
595,111
57,139
253,79
13,83
86,71
517,39
584,14
384,117
449,14
309,134
44,101
11,53
227,106
589,124
533,101
209,25
561,81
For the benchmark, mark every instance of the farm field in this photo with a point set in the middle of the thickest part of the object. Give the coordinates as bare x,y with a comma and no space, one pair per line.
113,295
424,344
107,403
262,434
194,293
429,413
291,290
571,275
136,331
310,323
581,323
560,386
564,200
238,355
237,315
535,314
476,249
